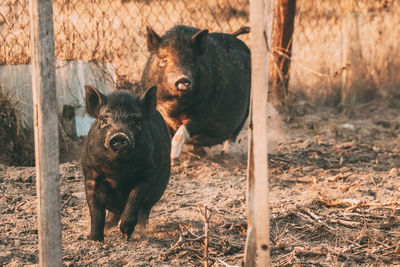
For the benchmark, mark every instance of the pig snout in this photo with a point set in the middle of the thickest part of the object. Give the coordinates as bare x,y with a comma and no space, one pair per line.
179,81
183,84
118,141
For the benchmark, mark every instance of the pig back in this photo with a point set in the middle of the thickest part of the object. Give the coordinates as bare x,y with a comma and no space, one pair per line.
230,98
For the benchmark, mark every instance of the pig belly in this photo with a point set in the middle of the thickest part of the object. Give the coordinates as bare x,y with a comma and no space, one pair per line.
224,125
111,198
213,134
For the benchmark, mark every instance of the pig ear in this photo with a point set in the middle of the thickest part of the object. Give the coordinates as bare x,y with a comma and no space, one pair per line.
149,100
153,40
94,100
199,41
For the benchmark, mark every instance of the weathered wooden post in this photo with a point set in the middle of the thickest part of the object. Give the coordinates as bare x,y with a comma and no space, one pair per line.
46,132
257,244
281,46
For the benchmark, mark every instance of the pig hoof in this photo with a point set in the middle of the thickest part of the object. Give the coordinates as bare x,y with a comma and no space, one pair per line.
230,147
96,238
127,227
125,236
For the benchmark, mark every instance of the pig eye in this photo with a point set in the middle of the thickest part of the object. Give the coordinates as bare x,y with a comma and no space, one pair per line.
137,123
103,121
163,62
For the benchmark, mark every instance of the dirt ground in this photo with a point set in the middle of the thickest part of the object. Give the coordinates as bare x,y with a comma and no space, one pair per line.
334,200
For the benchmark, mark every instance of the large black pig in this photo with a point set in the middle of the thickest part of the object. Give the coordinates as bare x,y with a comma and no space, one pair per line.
125,160
203,82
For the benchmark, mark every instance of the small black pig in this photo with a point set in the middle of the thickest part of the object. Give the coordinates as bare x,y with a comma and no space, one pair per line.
125,160
203,82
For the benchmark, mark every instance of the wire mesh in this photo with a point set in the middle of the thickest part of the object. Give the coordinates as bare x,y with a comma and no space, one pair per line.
114,31
319,45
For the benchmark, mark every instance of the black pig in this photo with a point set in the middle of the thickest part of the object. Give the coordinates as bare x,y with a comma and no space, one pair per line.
125,159
203,82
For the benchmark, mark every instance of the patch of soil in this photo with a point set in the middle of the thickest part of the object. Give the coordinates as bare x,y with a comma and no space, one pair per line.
334,201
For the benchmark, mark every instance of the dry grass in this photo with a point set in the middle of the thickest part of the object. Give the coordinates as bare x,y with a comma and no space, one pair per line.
318,46
333,183
326,234
16,141
334,201
114,31
334,193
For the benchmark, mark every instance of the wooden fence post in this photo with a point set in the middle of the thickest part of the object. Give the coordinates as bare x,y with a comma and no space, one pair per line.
281,45
46,132
257,245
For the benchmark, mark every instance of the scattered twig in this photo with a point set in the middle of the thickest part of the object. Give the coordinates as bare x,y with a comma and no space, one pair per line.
345,223
206,247
353,202
65,202
369,221
317,223
164,255
300,179
64,135
206,220
188,230
226,264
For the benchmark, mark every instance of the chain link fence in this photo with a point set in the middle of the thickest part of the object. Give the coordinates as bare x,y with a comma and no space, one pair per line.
114,31
321,38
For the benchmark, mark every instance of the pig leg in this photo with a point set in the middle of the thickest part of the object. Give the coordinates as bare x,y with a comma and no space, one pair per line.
179,139
97,212
129,217
230,145
199,151
112,219
143,217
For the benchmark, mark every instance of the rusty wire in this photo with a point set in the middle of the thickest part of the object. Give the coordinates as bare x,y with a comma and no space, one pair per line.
112,31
